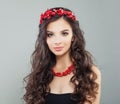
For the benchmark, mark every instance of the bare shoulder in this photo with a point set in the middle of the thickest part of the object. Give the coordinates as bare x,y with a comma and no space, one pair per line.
96,70
98,80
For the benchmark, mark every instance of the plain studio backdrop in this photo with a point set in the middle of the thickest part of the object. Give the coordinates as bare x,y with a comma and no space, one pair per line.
19,20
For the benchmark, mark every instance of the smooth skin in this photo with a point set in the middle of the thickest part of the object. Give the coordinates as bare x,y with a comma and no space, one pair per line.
59,40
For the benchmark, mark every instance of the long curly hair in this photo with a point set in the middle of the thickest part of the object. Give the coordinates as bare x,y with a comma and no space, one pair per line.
42,60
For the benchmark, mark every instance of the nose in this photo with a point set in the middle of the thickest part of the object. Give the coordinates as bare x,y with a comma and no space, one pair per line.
57,40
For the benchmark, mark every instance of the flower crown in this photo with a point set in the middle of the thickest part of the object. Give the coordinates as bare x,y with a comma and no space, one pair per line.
52,12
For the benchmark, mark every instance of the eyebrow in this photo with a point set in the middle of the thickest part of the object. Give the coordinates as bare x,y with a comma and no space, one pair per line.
60,31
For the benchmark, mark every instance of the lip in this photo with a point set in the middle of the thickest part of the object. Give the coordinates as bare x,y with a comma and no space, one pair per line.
58,48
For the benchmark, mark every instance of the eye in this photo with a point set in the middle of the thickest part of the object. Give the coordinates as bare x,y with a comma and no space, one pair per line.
65,33
49,34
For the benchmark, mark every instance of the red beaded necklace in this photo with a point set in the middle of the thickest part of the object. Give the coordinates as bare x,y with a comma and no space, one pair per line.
66,72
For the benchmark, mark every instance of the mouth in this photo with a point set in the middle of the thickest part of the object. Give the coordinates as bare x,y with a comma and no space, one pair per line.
58,48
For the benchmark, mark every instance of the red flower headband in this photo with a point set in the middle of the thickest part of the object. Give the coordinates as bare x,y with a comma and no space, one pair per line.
49,13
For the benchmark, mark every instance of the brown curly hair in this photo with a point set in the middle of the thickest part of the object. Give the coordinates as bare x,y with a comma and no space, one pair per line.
43,60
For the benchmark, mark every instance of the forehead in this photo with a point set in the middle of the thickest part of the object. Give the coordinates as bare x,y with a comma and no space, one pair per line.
58,25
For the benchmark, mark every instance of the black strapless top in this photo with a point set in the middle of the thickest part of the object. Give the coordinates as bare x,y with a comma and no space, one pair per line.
60,99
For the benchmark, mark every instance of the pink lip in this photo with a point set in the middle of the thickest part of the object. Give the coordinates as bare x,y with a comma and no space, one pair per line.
58,48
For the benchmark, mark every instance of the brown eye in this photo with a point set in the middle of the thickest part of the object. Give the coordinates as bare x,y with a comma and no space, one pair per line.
49,35
65,33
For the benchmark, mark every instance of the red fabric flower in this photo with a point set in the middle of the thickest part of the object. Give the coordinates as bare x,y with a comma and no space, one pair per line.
49,13
60,12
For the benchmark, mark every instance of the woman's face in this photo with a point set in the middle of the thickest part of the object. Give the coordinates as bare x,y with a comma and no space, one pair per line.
59,37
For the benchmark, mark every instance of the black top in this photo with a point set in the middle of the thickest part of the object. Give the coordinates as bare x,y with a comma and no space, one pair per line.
59,99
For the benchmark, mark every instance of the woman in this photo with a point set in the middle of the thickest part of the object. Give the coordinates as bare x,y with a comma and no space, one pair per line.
62,70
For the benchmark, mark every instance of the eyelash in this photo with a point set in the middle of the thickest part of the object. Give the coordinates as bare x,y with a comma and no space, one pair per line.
65,33
49,35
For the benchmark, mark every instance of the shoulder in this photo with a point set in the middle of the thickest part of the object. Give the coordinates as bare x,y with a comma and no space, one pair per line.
98,81
97,71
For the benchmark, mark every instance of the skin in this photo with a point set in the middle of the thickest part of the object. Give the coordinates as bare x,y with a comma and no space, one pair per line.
59,40
60,35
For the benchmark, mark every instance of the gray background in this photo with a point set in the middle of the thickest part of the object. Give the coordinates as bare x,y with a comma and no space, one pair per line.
19,20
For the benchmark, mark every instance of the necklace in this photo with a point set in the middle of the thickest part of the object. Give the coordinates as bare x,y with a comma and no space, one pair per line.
66,72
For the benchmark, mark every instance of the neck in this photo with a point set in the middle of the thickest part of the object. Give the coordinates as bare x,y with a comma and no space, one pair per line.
62,63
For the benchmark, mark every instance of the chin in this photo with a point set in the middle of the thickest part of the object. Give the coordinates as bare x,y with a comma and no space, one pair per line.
58,54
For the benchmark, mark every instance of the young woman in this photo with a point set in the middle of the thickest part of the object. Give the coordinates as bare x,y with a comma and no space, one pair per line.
62,70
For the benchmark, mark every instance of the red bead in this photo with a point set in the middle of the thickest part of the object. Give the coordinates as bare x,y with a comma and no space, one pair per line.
66,72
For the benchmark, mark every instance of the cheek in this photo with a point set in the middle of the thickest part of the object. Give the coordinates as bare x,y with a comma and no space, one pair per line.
68,41
48,43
